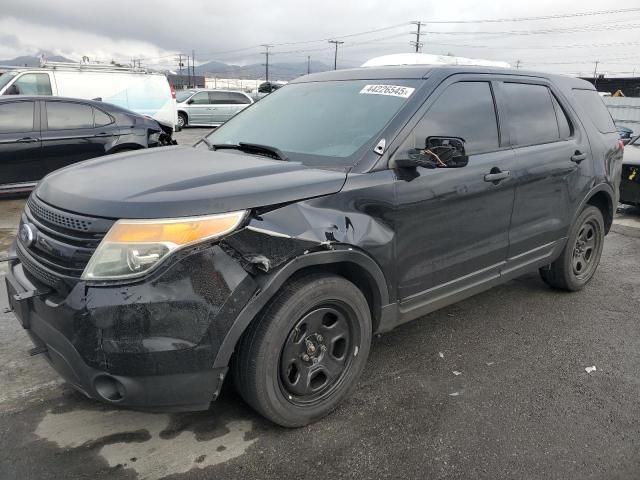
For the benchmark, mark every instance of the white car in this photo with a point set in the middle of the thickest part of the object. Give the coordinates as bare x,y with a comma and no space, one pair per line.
209,108
141,91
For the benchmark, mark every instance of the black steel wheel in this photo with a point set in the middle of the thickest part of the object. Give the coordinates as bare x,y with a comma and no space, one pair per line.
306,351
581,256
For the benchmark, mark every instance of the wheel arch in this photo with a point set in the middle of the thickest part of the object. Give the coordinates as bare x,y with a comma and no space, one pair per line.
352,264
601,197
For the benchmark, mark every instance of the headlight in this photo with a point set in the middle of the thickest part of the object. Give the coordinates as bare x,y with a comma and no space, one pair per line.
132,248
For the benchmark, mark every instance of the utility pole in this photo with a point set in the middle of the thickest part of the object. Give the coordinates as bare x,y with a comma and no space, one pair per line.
308,64
266,54
180,64
595,74
518,64
193,67
188,72
335,58
417,43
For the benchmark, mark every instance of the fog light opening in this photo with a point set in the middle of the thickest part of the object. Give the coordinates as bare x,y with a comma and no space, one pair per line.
109,388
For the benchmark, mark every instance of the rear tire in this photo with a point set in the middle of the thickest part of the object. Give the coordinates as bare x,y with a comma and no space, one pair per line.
305,352
182,120
581,255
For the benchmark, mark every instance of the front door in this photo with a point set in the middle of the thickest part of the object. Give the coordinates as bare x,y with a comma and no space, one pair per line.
20,145
452,224
199,109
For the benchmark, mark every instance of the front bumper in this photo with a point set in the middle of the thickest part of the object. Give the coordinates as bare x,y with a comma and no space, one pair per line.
150,345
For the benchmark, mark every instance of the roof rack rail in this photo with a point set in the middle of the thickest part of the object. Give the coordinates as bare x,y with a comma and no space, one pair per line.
88,66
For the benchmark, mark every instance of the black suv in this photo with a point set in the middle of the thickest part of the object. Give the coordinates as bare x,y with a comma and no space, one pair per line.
342,205
41,134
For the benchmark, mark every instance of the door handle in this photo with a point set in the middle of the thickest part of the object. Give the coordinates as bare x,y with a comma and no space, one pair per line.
578,157
28,140
103,134
496,175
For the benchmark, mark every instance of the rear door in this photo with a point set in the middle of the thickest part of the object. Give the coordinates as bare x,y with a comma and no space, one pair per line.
226,104
452,224
69,133
551,150
20,144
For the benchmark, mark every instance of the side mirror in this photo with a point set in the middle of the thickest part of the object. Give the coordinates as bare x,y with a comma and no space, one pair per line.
190,101
439,152
12,90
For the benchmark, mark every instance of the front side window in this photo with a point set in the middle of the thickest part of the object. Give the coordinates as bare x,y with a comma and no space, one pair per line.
532,119
320,123
66,116
183,95
465,110
201,98
33,84
16,117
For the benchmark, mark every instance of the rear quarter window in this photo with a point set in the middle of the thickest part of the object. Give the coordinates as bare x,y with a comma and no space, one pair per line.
594,107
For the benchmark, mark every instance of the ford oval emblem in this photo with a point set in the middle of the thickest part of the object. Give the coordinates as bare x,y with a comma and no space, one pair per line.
26,235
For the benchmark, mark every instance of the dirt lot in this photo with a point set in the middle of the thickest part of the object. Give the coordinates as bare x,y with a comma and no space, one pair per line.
522,405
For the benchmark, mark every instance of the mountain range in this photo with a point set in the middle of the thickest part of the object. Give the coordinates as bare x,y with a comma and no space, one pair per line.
277,70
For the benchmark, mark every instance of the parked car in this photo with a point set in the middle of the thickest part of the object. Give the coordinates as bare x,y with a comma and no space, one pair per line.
39,135
141,91
626,134
209,108
630,182
279,244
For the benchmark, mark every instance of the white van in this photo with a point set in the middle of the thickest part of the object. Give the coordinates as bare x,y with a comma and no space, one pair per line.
137,90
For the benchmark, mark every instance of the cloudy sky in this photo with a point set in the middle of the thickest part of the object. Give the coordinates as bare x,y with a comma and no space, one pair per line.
233,31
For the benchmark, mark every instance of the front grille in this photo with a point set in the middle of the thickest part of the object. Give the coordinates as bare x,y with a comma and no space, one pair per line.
62,242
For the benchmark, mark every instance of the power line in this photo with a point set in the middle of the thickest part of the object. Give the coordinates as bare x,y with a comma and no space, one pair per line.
543,17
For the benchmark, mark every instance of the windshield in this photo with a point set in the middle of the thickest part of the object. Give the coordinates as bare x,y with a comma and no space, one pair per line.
5,78
181,96
319,122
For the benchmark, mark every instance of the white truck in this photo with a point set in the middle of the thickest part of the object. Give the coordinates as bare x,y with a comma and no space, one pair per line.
141,91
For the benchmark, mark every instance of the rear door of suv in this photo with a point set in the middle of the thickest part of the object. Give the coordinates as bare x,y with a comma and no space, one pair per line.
551,150
452,224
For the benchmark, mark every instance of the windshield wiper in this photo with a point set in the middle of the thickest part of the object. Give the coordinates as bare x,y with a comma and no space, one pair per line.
207,143
256,148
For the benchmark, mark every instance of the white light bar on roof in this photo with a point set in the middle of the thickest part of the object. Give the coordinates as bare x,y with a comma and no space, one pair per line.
429,59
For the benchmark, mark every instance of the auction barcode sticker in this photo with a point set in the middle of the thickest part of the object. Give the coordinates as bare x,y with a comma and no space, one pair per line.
391,90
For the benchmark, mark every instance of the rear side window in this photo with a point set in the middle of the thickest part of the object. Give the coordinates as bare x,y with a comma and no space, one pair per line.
33,84
66,116
232,98
101,118
464,110
16,117
532,118
591,102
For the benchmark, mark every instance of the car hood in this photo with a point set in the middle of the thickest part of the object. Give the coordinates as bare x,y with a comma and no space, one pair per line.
631,155
182,181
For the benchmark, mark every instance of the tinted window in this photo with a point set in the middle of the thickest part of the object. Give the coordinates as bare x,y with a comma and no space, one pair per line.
101,118
201,98
228,98
183,95
33,84
64,116
563,122
591,102
16,117
464,110
532,119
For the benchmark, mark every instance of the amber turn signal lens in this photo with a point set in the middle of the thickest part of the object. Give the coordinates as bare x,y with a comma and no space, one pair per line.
175,231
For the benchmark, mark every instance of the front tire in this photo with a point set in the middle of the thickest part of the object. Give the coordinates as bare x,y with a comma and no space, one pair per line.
305,352
182,120
581,255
